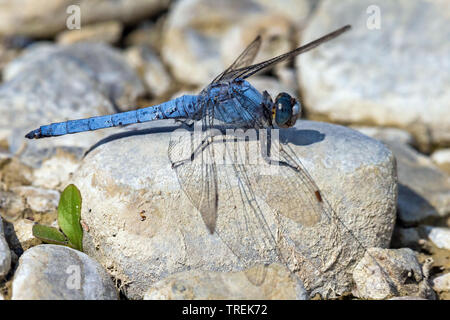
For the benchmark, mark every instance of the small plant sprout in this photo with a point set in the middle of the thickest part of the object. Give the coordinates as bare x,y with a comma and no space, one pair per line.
70,232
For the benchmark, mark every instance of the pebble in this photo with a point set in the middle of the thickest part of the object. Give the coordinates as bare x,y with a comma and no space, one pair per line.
203,37
278,284
55,172
21,235
381,71
104,64
60,273
37,199
5,253
387,134
83,80
53,16
442,282
385,273
151,70
439,236
424,190
12,205
131,174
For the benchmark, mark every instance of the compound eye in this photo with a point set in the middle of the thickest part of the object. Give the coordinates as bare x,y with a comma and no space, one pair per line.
287,110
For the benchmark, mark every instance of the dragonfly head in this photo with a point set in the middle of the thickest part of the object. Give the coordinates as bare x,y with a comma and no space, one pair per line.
286,110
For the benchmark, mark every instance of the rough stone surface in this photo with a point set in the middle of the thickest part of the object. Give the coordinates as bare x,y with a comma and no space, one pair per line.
82,81
130,174
60,273
12,205
279,284
381,76
37,199
424,189
55,172
20,235
5,253
384,273
101,62
46,18
203,37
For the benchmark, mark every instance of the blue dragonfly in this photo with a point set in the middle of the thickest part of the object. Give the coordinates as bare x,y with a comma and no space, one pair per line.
231,101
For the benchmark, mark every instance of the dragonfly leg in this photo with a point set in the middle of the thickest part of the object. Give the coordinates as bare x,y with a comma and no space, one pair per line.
198,150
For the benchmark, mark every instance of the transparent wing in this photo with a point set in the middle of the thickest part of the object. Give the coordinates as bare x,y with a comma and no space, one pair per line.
195,164
292,193
246,72
220,190
244,59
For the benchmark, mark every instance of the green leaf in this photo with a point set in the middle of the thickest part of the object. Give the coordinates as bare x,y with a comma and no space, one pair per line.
49,234
69,216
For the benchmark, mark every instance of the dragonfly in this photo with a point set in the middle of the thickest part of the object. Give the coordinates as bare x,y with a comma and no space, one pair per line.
231,101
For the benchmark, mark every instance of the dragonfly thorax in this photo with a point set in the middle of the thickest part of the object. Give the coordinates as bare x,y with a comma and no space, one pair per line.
286,110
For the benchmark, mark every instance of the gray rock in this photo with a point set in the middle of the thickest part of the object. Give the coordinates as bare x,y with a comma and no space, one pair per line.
37,199
55,172
12,205
442,159
406,237
129,174
13,172
384,273
279,284
147,33
82,81
439,236
441,283
151,70
7,53
60,273
20,235
52,15
387,134
391,76
103,63
5,253
424,190
203,37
